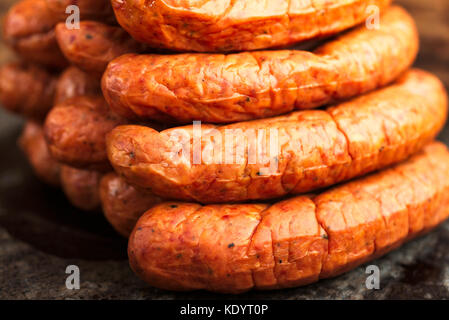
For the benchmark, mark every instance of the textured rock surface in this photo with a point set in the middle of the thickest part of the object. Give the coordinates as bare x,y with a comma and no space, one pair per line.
41,234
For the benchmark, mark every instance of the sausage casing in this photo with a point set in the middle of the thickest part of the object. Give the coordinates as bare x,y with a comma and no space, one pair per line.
123,204
29,29
305,150
76,132
217,88
240,25
94,45
27,89
234,248
34,146
81,187
74,82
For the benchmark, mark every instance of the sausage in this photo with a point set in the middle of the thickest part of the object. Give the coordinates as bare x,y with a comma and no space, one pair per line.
94,45
81,187
33,144
76,132
211,26
233,248
123,204
74,82
218,88
27,89
291,154
29,29
100,10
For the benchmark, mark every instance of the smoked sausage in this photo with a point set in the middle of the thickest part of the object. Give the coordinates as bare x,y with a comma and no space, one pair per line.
94,45
76,132
81,187
233,248
73,82
290,154
223,25
27,89
219,88
33,144
123,204
29,29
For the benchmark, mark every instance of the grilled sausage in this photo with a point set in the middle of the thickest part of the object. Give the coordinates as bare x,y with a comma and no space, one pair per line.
234,248
251,85
94,45
100,10
76,132
29,29
290,154
34,146
27,89
123,204
81,187
73,83
222,25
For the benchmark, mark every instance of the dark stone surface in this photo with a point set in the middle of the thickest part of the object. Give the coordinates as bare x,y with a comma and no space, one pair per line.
41,234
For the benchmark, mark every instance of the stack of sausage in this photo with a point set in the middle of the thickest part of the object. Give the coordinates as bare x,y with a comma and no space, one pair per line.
113,128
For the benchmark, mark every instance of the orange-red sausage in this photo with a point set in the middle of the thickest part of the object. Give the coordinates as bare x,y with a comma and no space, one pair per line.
94,45
34,146
234,248
250,85
123,204
81,187
74,82
306,150
76,132
223,25
27,89
29,29
100,10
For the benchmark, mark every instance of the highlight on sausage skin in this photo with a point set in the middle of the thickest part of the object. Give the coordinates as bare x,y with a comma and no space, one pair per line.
291,154
218,88
76,132
224,25
233,248
123,204
74,82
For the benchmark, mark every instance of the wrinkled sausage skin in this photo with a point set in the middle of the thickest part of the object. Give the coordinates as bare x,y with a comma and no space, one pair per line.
81,187
76,132
94,45
33,144
316,148
219,88
27,89
29,29
224,25
235,248
74,82
123,204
